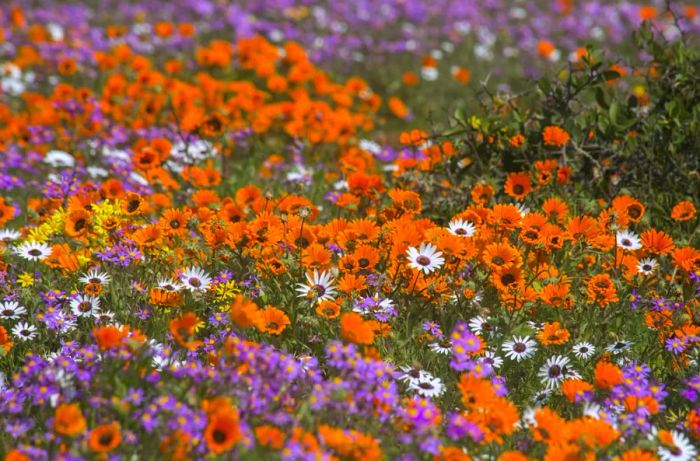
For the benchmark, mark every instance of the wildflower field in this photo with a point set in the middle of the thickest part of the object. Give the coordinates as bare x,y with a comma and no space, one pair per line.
363,230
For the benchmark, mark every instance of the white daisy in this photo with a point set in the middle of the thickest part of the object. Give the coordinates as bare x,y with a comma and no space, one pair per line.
628,240
169,284
682,449
492,359
24,331
319,287
541,397
646,266
583,350
462,228
95,276
522,209
412,375
370,146
480,324
59,159
443,346
104,316
555,370
426,258
8,235
619,346
33,251
10,310
519,348
591,409
195,279
85,305
427,386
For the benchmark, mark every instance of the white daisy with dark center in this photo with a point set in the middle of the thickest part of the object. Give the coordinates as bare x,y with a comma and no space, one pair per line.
24,331
682,449
583,350
195,279
426,258
628,240
461,228
646,266
33,251
11,310
519,348
555,370
318,286
85,305
95,276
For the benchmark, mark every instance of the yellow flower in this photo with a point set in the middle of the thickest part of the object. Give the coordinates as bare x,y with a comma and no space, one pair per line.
26,279
226,292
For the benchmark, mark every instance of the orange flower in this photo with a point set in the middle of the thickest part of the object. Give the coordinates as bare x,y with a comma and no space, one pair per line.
553,333
184,328
518,185
328,309
556,209
223,430
657,242
110,336
16,455
273,321
244,312
601,289
555,136
607,375
5,342
482,193
69,420
501,256
575,389
637,454
105,438
270,436
683,211
355,329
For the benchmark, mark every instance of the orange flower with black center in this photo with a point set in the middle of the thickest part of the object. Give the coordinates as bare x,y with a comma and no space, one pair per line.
328,309
174,221
555,136
508,279
501,256
7,212
223,430
133,204
518,185
553,333
69,420
165,298
105,438
683,211
273,321
146,158
184,329
601,289
109,336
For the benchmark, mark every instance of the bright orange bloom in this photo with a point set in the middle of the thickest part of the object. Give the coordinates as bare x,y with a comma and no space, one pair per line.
601,289
553,333
105,438
273,320
607,375
355,329
575,389
657,242
223,430
555,136
183,329
683,211
518,185
69,420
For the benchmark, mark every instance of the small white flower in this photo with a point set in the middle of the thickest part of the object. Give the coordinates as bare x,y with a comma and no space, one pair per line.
412,374
10,310
619,347
33,251
555,370
519,349
426,258
370,146
682,449
95,276
462,228
628,240
583,350
318,286
541,397
195,279
8,235
443,347
169,285
85,305
646,266
490,358
427,386
429,74
522,209
59,159
24,331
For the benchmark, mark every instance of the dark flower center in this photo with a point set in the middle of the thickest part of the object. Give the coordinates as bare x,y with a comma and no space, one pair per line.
423,260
